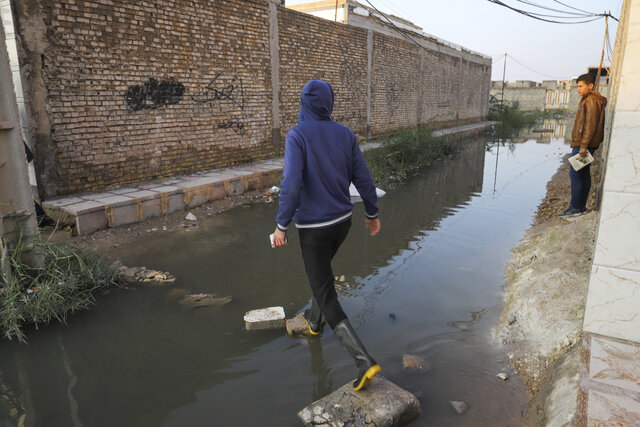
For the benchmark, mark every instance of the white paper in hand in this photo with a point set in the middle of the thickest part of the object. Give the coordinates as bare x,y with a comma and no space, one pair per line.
578,162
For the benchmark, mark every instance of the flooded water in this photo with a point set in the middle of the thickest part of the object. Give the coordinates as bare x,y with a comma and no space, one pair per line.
430,284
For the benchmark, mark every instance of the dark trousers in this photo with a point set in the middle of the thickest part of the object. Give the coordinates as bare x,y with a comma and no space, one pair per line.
580,183
319,246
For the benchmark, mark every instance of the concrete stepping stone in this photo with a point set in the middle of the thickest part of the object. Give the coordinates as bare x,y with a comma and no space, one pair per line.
381,403
298,326
264,318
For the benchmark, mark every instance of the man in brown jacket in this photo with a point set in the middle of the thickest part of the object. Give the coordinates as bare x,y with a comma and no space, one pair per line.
588,133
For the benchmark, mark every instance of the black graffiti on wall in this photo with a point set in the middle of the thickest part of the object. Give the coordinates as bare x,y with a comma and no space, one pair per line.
217,91
392,93
236,125
154,94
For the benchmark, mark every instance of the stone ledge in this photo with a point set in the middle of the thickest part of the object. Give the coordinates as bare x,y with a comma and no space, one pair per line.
380,404
93,212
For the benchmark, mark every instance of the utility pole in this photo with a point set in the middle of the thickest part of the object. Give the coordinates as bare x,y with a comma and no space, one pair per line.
17,212
335,19
504,71
606,30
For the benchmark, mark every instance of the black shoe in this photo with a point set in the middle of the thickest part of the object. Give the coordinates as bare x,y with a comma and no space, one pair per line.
367,367
315,327
572,212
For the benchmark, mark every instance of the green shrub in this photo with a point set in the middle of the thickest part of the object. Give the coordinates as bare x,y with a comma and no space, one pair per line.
403,153
64,282
511,116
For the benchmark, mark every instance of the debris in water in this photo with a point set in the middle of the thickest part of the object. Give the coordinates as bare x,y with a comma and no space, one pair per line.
392,316
355,195
177,292
415,363
204,300
274,190
503,376
191,217
145,275
459,406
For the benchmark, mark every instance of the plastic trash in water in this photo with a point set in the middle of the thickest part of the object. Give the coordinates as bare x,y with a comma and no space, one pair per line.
355,195
191,217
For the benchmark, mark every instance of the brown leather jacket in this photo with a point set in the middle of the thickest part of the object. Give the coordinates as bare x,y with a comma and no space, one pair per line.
588,130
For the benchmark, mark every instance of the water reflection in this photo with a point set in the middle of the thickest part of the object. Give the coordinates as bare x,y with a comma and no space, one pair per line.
138,358
560,129
323,384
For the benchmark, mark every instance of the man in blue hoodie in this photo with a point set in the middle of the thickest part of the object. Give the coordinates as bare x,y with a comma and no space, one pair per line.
321,159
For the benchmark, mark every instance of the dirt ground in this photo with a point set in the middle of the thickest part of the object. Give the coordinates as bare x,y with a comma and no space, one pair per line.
559,191
547,281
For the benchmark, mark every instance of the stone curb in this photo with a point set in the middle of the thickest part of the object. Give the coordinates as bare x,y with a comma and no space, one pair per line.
111,208
121,206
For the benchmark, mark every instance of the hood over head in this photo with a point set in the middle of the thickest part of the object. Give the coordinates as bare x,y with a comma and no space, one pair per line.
316,101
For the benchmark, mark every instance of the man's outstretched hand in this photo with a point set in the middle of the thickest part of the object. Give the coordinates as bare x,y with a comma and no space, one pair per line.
373,225
279,238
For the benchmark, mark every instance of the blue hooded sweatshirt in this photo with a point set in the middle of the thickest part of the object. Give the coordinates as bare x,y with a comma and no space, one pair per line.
321,159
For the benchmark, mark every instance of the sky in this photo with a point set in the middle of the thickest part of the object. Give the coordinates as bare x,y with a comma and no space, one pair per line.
546,51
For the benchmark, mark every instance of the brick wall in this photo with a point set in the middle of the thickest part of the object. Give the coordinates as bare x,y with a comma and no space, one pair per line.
394,84
121,92
314,48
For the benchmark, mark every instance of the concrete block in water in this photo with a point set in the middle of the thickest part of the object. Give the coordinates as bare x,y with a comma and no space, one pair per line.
264,318
298,326
381,403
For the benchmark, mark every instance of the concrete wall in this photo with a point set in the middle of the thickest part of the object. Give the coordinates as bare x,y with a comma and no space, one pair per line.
529,99
121,93
614,287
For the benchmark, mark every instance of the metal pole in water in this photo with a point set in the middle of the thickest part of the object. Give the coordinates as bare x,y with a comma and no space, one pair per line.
504,70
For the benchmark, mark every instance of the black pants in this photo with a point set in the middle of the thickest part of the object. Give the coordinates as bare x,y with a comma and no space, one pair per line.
319,246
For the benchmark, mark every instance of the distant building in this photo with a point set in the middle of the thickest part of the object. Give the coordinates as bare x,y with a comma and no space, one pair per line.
549,95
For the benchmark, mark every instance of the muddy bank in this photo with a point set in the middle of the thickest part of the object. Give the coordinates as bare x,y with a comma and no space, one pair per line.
546,288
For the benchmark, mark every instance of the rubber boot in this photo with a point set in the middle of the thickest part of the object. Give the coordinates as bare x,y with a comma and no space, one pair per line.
367,367
314,318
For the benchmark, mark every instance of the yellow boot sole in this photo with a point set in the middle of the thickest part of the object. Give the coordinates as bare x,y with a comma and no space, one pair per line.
367,377
311,330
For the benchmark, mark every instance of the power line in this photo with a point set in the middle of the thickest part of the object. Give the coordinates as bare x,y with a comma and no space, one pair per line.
402,12
582,15
543,17
405,35
531,69
570,7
